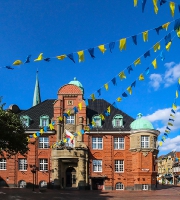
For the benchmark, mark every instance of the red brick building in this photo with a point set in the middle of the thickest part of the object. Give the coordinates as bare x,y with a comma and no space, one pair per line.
117,152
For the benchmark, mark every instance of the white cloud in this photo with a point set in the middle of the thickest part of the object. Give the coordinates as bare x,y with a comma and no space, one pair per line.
161,117
171,144
170,76
156,80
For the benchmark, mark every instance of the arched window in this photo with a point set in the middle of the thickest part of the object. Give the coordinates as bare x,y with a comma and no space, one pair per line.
119,186
97,121
25,120
117,121
44,120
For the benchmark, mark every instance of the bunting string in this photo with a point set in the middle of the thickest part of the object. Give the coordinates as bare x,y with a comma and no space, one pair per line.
102,48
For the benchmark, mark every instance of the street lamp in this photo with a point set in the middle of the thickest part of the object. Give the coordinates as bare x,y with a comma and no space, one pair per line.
33,170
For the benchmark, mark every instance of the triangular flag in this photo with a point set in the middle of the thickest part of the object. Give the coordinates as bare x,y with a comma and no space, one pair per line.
93,123
172,115
69,112
86,101
168,128
154,63
102,48
40,57
61,57
124,94
176,94
162,56
114,104
138,61
51,126
147,71
155,6
34,135
167,38
79,133
122,75
158,29
99,92
174,106
156,47
80,106
65,115
133,84
160,143
172,8
111,46
173,111
135,3
177,24
119,99
106,113
81,56
41,131
47,59
45,128
17,62
147,54
165,26
162,2
167,131
106,86
141,77
93,97
129,68
108,109
145,36
122,44
143,5
114,81
91,52
102,117
170,124
134,38
75,110
28,59
71,57
60,118
129,89
168,46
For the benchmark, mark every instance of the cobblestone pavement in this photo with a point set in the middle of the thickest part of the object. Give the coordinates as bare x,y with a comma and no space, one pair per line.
163,192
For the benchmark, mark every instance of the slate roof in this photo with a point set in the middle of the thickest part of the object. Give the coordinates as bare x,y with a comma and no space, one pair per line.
95,107
99,106
44,108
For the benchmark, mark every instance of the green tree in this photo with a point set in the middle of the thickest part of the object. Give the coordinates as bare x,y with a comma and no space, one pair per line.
13,139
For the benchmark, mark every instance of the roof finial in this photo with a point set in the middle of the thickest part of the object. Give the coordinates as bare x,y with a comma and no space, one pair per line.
75,79
139,115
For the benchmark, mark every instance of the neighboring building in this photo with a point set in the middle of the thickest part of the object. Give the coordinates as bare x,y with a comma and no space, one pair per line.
176,168
117,153
165,172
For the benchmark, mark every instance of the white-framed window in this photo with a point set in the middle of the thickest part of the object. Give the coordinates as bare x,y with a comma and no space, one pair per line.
119,165
97,143
144,187
22,164
70,119
119,186
118,143
43,164
144,141
97,120
97,165
2,164
117,121
44,120
25,120
43,142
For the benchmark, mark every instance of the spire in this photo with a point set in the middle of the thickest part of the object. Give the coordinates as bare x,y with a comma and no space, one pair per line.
37,97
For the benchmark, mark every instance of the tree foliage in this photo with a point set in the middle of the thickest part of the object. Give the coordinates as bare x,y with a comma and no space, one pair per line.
12,133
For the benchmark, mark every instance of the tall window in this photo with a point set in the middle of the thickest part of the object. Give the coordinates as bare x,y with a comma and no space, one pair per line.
97,120
2,163
70,119
43,142
43,164
97,165
119,165
119,186
25,120
22,164
97,142
144,141
118,143
44,120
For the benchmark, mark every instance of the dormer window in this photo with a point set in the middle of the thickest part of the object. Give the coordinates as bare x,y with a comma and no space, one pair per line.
97,120
117,121
44,120
25,120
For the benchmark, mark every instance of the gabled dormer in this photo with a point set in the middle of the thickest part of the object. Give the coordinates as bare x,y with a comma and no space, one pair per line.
98,121
25,120
44,120
117,121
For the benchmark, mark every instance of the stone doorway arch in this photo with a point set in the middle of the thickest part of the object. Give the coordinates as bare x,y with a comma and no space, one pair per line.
70,177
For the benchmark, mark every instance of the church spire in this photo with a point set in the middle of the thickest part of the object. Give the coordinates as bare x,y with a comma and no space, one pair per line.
37,97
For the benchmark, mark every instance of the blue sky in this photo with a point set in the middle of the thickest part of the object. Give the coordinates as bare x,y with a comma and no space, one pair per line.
56,27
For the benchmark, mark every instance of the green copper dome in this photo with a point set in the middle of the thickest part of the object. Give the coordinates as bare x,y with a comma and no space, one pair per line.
141,124
77,83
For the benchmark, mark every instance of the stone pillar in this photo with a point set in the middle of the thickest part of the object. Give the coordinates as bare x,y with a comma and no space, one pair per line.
56,174
58,131
61,130
80,127
81,174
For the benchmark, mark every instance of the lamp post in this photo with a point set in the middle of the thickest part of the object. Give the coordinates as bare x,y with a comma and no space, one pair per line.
33,170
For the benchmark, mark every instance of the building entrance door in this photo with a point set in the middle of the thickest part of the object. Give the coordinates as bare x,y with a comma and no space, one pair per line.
70,177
